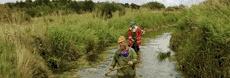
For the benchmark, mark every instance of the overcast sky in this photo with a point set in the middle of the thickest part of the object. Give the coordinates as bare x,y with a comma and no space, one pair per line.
165,2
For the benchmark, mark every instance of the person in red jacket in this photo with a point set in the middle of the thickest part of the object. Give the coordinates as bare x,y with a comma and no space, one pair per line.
134,37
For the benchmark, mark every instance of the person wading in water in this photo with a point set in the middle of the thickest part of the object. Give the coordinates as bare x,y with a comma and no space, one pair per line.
126,58
134,36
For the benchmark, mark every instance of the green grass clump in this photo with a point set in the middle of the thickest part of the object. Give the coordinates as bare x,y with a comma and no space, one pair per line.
7,58
162,56
18,57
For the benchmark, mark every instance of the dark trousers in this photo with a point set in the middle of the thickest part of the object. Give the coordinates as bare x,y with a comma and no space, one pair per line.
135,47
137,50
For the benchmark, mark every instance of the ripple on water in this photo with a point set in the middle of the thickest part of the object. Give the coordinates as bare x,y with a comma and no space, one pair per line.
150,66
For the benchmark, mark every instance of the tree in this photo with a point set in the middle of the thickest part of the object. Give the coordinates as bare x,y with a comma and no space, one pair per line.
75,7
41,2
174,8
106,9
88,5
126,5
154,5
135,6
28,1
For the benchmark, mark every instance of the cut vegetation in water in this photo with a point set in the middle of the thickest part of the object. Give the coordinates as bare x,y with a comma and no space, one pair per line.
162,56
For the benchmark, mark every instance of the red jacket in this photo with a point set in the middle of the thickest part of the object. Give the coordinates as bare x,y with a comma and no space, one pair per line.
138,36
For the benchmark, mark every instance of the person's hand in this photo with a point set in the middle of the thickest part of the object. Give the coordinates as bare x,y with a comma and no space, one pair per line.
110,68
130,62
143,32
132,40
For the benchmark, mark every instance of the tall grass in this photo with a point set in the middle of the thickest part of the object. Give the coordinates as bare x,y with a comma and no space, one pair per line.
18,57
201,41
12,15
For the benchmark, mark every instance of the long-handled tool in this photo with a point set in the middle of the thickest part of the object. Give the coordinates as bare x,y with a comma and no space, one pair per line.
107,73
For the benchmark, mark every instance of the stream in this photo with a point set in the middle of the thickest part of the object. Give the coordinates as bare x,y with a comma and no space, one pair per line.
150,66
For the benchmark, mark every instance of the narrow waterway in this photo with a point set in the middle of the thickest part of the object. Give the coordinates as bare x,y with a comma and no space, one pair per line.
150,67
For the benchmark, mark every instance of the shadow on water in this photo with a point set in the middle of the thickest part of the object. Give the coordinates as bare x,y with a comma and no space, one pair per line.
150,66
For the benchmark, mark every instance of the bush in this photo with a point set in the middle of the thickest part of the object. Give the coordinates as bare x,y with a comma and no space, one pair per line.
175,8
106,9
134,6
154,5
58,49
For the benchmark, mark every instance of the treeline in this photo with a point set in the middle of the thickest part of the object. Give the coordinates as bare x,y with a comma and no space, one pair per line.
39,8
45,7
20,12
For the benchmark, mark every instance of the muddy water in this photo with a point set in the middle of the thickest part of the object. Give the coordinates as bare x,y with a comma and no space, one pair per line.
150,67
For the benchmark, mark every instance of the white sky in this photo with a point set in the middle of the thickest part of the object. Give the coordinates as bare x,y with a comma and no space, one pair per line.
165,2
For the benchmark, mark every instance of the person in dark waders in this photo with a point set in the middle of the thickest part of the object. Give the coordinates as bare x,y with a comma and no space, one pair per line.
134,36
126,58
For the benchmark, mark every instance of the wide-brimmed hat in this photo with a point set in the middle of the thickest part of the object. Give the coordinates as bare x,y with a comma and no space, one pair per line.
121,39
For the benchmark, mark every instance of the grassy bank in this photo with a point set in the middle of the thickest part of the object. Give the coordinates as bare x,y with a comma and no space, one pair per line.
202,41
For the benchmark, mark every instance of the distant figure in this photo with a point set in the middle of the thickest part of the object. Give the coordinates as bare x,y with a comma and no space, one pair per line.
125,57
134,36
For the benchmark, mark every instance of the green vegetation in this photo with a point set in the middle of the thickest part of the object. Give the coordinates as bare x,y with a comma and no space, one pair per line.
202,41
106,10
154,5
162,56
63,7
